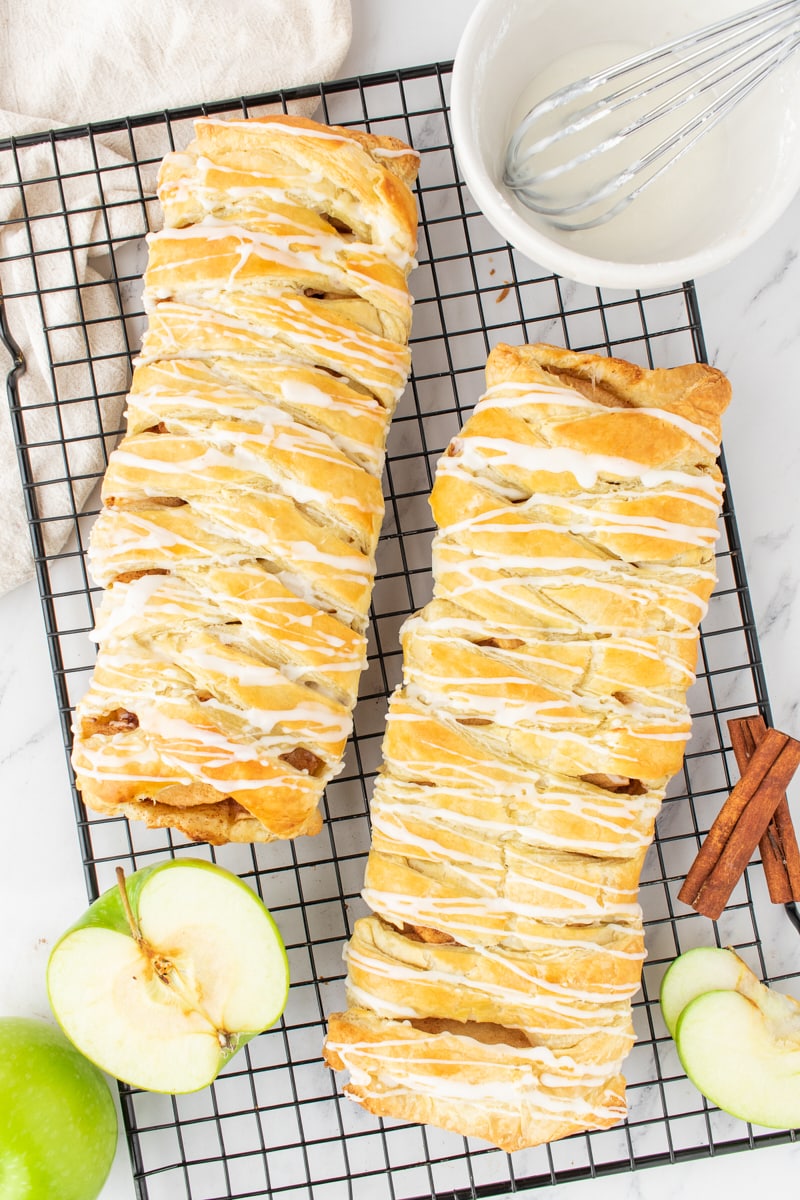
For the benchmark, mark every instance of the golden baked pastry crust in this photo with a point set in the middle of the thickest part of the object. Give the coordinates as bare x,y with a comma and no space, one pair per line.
541,714
355,178
474,1082
398,975
243,507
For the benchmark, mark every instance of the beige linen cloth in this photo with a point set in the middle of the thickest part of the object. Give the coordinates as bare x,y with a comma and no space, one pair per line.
93,60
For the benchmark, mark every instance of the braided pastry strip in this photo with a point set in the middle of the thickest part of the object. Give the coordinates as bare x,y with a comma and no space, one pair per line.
527,752
242,509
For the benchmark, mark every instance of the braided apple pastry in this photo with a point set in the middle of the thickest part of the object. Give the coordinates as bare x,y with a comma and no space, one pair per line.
526,754
243,506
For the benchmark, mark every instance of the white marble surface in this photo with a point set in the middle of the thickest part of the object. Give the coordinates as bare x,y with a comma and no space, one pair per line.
751,317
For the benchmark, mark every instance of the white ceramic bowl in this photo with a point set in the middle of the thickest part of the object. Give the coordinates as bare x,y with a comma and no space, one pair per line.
723,195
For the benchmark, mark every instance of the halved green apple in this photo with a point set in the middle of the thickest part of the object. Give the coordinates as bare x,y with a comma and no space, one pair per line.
167,975
737,1039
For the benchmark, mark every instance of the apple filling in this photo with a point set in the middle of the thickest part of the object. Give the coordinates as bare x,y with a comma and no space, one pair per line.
159,501
130,576
480,1031
619,784
303,760
423,933
119,720
501,643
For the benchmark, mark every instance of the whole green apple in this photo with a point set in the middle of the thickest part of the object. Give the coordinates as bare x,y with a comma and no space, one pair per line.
58,1124
168,974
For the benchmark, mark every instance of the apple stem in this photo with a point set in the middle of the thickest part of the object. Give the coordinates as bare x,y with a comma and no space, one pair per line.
136,932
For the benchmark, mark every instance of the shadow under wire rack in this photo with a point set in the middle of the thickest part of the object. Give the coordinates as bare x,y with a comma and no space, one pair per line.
274,1124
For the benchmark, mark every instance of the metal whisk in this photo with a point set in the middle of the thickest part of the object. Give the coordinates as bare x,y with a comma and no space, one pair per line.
650,109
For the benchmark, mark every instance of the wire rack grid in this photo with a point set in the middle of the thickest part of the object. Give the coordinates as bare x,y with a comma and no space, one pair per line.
274,1124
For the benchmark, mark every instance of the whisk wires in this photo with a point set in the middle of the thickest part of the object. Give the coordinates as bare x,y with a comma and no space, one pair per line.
557,170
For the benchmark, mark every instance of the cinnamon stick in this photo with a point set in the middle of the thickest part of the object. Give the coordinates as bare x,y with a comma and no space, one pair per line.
740,824
780,855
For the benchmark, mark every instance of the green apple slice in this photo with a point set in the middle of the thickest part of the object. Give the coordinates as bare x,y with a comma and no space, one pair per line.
165,978
744,1056
704,969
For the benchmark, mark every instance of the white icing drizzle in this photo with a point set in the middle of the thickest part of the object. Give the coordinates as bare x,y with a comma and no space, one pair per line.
504,395
492,1079
464,916
459,580
624,830
532,996
161,603
583,521
475,453
274,457
287,247
388,152
250,330
320,416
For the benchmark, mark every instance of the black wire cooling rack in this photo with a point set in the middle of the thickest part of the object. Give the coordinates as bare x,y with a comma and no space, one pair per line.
273,1125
